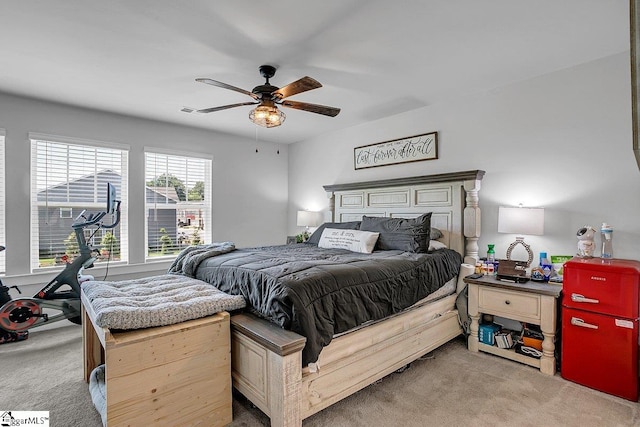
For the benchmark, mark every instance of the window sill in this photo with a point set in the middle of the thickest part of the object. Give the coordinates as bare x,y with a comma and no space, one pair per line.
117,271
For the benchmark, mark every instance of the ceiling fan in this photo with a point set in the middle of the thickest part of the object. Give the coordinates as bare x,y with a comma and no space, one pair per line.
268,97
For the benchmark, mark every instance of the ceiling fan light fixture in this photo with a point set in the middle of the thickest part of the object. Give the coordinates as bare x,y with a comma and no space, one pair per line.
266,113
267,116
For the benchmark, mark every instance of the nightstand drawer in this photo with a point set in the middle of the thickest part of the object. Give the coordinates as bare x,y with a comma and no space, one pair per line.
516,305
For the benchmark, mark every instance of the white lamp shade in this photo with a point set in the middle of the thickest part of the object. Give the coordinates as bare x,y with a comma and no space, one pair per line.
308,219
521,221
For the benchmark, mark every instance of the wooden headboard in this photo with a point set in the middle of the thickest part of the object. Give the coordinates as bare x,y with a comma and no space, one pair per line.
452,197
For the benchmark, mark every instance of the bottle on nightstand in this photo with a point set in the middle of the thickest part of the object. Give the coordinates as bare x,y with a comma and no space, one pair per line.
491,260
491,254
606,233
547,267
542,273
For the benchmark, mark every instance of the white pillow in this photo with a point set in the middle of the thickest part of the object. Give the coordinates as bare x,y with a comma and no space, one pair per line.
434,244
352,240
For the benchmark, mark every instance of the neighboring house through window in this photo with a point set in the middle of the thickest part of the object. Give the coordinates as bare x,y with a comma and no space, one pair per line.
68,176
177,201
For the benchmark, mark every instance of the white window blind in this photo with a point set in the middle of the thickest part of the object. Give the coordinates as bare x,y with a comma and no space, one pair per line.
2,204
73,176
177,202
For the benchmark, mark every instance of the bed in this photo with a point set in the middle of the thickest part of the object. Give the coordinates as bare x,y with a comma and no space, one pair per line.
291,372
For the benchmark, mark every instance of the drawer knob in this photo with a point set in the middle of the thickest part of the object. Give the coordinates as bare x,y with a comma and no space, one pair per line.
507,302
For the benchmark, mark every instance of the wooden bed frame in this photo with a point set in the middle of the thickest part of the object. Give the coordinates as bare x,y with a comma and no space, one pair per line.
267,360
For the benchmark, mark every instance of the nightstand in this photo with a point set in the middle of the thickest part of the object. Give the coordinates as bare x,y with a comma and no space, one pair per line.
532,302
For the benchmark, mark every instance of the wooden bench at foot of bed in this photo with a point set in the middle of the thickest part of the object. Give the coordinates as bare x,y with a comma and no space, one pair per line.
168,375
267,360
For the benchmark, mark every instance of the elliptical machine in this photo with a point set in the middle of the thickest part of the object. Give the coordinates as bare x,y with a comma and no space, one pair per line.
20,314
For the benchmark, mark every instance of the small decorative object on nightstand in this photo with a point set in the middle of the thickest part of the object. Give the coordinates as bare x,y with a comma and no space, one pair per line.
586,243
531,303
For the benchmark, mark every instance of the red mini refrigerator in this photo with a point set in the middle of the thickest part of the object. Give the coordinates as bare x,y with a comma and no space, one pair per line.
600,310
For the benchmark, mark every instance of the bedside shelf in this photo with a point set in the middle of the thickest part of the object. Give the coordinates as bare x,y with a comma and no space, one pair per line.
509,354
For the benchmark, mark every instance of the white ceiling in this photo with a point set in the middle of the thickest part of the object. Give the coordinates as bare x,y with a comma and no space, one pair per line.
374,58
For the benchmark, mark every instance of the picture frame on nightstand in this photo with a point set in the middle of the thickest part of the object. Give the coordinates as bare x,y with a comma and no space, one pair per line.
512,271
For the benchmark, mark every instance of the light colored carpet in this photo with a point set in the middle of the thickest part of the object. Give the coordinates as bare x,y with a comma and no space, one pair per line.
448,387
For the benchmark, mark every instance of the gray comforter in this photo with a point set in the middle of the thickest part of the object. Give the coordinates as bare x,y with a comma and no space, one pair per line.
321,292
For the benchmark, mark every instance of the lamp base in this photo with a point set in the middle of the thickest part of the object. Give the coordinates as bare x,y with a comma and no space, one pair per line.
520,241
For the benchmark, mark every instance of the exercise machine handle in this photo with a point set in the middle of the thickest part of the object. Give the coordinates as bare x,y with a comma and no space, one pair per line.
90,218
117,221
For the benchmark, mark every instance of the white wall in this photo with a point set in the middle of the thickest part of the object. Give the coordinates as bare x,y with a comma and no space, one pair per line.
561,141
249,188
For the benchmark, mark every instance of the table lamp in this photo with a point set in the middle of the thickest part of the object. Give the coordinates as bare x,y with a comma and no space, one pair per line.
308,219
521,221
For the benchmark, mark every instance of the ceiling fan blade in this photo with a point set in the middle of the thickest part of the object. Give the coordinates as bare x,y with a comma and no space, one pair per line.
212,109
313,108
304,84
226,86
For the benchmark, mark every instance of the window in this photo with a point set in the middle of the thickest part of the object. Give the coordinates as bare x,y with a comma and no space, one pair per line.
67,177
66,212
177,202
2,211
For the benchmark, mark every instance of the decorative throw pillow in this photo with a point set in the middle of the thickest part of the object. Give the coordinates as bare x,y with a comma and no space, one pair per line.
352,240
410,235
315,237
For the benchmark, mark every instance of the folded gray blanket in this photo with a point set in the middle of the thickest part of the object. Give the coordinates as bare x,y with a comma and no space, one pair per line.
189,259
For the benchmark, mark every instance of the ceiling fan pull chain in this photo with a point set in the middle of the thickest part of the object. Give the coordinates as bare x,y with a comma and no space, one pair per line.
256,140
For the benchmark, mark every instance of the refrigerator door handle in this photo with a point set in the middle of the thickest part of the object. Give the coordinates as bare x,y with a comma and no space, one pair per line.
581,298
576,321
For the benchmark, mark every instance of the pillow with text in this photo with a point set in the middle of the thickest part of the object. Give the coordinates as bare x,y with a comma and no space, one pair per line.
351,240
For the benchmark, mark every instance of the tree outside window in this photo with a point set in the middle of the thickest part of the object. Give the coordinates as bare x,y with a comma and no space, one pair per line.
177,202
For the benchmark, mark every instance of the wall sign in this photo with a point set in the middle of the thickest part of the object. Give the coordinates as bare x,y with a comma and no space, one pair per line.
410,149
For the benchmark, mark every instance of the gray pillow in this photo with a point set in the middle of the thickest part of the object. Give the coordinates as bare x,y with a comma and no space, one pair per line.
315,237
435,234
410,235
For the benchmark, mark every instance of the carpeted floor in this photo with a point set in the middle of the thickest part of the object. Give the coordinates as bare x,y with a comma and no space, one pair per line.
448,387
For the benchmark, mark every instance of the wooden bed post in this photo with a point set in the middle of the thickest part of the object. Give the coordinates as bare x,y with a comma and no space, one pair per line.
471,221
267,368
285,389
332,206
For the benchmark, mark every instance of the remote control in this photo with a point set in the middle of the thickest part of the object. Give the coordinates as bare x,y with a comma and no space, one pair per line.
475,276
